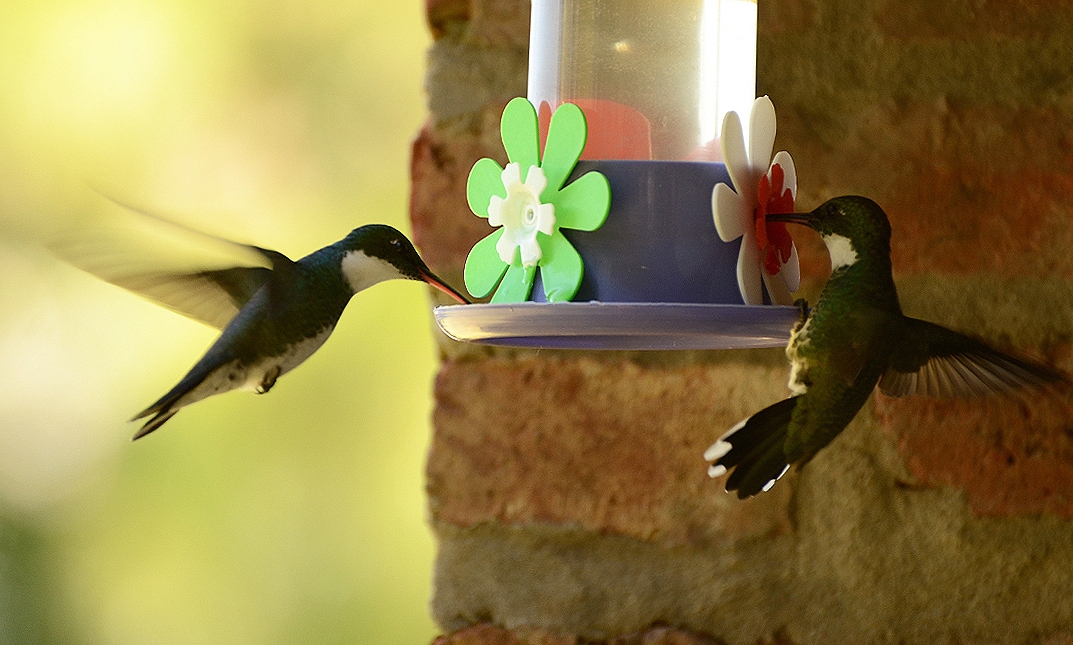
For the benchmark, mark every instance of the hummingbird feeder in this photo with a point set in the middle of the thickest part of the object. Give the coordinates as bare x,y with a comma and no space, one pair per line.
630,214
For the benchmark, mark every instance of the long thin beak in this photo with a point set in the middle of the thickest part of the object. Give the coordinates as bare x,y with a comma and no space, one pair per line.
806,219
435,281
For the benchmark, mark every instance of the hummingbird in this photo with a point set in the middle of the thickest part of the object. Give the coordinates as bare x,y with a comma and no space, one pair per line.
853,338
275,315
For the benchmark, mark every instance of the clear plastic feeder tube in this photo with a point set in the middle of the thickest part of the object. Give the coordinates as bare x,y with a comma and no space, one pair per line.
654,77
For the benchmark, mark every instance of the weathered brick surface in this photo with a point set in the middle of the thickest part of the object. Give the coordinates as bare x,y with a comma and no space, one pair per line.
1010,456
965,19
879,561
869,559
488,634
476,65
1034,314
600,586
956,118
479,63
610,447
443,226
966,189
441,14
781,18
501,22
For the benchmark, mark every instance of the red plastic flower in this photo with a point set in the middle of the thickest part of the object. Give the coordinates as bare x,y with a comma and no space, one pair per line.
761,185
772,238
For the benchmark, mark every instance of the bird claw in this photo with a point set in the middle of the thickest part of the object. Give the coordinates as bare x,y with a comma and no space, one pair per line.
269,379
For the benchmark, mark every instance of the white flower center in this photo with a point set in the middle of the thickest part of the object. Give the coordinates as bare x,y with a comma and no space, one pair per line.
521,214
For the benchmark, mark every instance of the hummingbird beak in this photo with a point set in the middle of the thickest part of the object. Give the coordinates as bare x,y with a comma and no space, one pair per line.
434,280
805,219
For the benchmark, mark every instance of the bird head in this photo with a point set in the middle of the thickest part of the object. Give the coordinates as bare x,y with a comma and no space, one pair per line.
849,226
377,252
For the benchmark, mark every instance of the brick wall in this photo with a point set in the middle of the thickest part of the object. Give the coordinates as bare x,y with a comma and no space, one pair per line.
567,490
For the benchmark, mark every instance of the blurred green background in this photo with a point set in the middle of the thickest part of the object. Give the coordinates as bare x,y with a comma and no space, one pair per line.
295,517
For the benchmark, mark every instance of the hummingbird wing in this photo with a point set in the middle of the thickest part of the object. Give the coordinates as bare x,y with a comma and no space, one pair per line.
213,288
931,360
214,297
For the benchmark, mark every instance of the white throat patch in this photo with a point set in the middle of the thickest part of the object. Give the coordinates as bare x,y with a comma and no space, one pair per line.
841,250
362,271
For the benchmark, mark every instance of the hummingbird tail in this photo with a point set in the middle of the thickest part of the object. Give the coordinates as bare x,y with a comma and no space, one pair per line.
754,450
154,423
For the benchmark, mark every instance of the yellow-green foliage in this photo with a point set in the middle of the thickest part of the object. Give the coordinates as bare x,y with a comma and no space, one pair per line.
296,517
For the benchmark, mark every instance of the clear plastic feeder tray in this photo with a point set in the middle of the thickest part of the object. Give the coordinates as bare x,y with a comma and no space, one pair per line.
618,325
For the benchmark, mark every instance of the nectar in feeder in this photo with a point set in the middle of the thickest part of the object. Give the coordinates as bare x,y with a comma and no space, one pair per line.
655,79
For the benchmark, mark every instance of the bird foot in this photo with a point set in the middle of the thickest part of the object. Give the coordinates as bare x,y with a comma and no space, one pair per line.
269,379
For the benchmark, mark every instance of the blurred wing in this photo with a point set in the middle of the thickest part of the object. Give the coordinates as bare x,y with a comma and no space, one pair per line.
213,297
193,273
935,361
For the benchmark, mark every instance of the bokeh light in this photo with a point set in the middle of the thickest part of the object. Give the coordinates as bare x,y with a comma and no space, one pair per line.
294,517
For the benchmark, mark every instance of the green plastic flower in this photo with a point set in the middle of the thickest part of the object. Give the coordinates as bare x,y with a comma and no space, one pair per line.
529,203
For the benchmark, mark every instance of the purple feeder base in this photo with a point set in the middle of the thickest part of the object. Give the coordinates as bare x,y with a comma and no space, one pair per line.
659,242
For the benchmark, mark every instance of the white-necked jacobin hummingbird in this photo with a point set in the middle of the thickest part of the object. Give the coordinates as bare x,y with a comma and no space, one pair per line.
854,337
273,316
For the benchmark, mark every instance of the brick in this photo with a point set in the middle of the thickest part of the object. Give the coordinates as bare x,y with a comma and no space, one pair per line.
843,59
1011,456
501,22
1034,313
969,19
441,13
489,22
976,221
443,226
785,16
470,79
479,63
967,189
610,447
603,587
878,556
465,78
488,634
664,636
868,560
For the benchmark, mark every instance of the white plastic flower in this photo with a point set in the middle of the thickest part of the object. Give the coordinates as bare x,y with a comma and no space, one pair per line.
521,214
763,185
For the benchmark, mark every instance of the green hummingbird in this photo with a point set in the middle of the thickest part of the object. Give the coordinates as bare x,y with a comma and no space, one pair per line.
273,315
854,337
